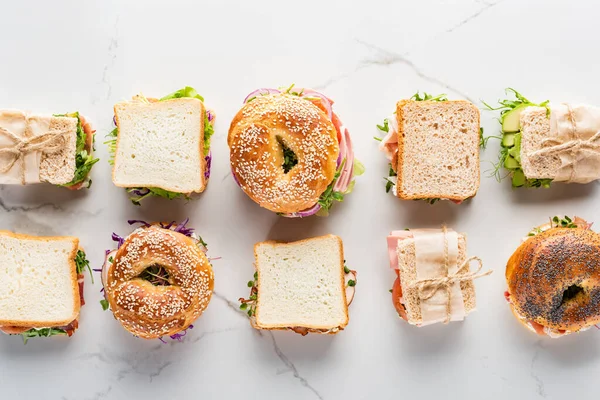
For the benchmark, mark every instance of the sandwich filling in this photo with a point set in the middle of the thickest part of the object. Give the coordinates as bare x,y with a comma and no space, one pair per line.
347,167
39,149
84,160
511,140
81,264
156,275
532,325
249,305
389,145
140,193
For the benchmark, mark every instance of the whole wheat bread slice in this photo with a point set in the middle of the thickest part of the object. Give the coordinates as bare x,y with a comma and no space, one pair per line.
408,273
535,127
160,145
301,284
38,280
438,149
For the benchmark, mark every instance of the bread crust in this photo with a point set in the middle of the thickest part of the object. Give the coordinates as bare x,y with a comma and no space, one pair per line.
201,135
75,285
307,328
545,266
400,153
149,311
257,157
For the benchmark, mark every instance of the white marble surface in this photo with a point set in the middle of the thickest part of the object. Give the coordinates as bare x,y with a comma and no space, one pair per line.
67,55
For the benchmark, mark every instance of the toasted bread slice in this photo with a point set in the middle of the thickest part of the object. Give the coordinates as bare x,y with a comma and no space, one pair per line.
407,268
160,145
438,149
38,280
301,284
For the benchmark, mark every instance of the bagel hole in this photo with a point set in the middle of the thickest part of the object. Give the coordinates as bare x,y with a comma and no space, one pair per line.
570,293
156,274
289,157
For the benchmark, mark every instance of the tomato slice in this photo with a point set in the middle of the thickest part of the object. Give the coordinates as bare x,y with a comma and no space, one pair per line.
396,295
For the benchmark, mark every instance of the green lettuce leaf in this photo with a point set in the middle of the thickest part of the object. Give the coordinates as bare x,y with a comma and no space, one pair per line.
82,263
83,160
42,332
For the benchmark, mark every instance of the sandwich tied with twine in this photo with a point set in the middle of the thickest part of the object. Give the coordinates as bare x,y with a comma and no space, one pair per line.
50,142
573,140
427,288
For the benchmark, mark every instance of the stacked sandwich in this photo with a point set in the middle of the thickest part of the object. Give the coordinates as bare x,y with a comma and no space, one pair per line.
434,282
161,147
303,286
41,285
432,144
41,148
290,152
544,142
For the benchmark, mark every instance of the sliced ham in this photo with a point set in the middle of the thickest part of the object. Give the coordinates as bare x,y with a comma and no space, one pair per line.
80,283
389,144
392,241
350,289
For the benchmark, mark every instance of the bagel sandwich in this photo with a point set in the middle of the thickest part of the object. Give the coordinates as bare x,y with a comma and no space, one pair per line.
432,144
303,286
421,256
290,152
158,280
41,285
161,147
56,149
553,278
547,142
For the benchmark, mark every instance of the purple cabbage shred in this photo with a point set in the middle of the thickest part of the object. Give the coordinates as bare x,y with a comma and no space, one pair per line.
118,239
208,164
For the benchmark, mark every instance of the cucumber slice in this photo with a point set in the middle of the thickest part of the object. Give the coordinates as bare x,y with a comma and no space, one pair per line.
511,121
518,178
508,139
511,163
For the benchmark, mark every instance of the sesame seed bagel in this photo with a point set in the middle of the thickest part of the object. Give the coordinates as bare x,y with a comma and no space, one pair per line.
257,158
150,311
554,279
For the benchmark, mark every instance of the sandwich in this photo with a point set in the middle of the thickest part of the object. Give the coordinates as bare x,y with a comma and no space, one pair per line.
161,147
290,152
553,278
158,280
432,144
546,142
302,286
56,149
434,282
41,285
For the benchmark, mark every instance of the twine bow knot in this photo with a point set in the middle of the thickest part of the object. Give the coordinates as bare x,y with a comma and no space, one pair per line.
427,288
572,148
49,142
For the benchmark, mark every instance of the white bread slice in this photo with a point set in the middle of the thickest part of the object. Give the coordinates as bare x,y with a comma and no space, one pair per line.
301,284
408,273
535,127
38,280
438,149
160,144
